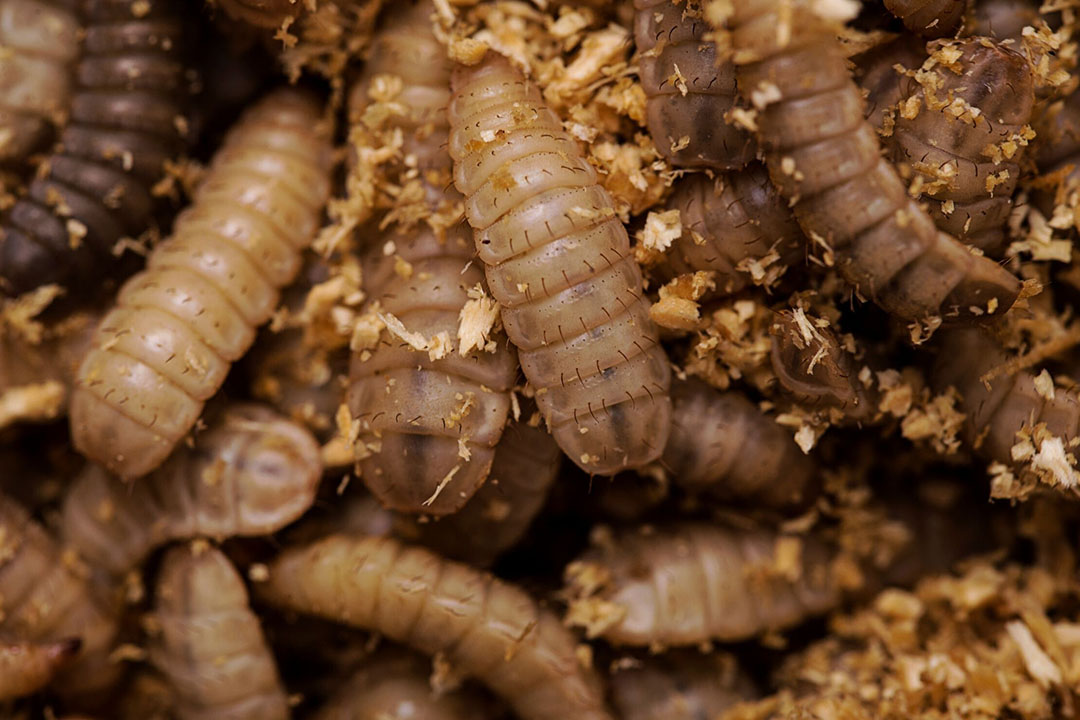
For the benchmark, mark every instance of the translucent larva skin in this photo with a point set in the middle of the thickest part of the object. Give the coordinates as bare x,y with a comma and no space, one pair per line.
877,75
26,667
722,444
994,415
689,584
559,264
999,83
929,18
729,219
680,685
44,599
168,343
125,119
526,464
485,628
823,154
252,473
211,646
42,39
671,43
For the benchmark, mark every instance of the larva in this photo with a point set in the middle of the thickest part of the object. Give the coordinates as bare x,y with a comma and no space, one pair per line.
210,645
125,120
526,464
824,155
929,18
1003,19
42,42
877,73
45,599
727,222
484,628
688,90
430,424
689,584
570,291
1057,154
722,444
26,667
967,165
176,328
680,685
251,473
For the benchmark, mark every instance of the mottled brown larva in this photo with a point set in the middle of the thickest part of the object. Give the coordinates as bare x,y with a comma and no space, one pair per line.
680,685
878,72
689,584
26,667
95,189
209,644
558,262
251,473
929,18
41,41
728,223
484,628
722,444
965,146
176,328
826,158
688,90
44,599
429,421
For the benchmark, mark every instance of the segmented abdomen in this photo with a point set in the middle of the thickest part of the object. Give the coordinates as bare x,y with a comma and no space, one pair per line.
211,647
558,262
688,91
252,473
680,685
176,328
877,73
26,667
968,164
483,627
40,40
929,18
125,120
824,155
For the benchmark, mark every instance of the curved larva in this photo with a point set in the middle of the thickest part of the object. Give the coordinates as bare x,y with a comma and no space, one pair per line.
41,41
824,156
210,645
125,123
969,165
929,18
44,598
729,220
687,90
1011,403
558,262
176,328
722,444
878,72
526,464
484,628
680,685
689,584
252,473
429,426
26,667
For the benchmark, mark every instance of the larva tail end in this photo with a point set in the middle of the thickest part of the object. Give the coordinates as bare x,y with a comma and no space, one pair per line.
615,430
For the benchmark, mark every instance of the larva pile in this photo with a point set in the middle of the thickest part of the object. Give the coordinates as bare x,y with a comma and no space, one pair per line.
586,360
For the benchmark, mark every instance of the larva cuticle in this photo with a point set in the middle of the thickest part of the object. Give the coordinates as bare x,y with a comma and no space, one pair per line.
878,74
251,473
176,328
429,423
483,627
42,42
823,154
209,644
26,667
1004,19
558,262
95,189
688,91
929,18
680,685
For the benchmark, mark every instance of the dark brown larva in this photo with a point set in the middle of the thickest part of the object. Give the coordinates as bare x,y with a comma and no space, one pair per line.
877,73
965,146
1057,153
126,116
929,18
1003,19
558,262
826,158
688,90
